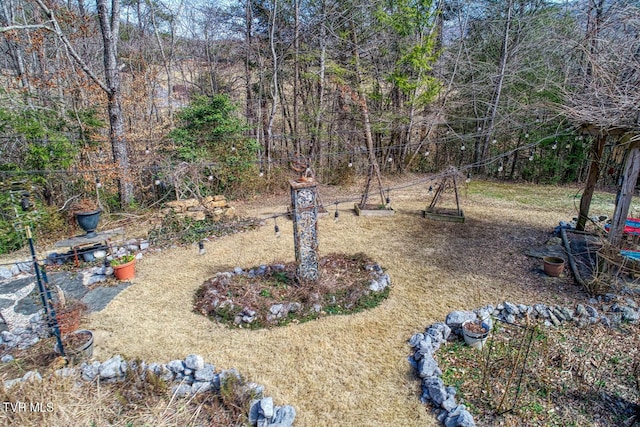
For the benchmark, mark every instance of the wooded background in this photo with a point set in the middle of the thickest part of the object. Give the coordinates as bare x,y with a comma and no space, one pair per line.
141,96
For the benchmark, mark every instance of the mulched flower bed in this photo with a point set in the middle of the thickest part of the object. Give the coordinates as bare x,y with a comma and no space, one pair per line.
548,376
343,288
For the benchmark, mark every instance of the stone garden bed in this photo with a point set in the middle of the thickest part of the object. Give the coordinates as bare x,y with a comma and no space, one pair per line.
271,295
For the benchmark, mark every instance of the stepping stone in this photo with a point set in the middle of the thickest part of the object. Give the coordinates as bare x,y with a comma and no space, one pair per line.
98,298
28,304
14,286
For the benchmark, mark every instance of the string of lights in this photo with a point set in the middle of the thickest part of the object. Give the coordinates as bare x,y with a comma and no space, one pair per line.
313,157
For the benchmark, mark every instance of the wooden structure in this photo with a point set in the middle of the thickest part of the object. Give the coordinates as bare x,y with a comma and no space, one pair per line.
81,244
445,214
629,176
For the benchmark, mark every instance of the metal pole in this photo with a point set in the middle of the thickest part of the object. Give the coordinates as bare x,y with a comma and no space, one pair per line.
45,295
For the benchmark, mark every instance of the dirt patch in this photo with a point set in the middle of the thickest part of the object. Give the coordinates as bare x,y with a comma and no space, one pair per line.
272,295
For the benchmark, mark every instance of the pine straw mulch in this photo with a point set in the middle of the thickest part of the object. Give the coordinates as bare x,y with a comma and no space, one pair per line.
546,376
342,288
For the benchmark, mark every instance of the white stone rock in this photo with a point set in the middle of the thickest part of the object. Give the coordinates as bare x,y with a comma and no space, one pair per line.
194,361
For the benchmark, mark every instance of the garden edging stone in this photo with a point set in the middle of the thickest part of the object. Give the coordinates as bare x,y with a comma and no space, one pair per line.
424,345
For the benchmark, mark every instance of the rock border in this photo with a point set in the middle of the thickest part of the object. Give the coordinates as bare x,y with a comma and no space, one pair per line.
614,310
190,376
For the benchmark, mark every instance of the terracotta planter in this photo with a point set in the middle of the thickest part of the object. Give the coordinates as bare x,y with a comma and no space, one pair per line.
553,265
125,271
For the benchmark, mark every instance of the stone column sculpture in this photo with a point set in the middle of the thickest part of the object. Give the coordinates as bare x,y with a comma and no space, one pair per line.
304,203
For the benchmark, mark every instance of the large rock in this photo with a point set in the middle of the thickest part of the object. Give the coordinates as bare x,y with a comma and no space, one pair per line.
194,362
284,416
266,407
176,366
207,373
111,368
5,273
459,417
455,319
428,367
435,387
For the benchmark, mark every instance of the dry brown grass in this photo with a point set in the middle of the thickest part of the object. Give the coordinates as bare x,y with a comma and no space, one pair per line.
344,370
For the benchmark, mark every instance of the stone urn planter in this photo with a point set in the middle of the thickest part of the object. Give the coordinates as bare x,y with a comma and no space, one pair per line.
553,265
88,221
78,345
124,268
87,215
475,334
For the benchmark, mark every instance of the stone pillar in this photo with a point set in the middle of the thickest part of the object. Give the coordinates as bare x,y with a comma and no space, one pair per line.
304,203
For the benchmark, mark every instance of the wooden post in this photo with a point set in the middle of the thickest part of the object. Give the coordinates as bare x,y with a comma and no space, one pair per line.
594,170
304,200
623,200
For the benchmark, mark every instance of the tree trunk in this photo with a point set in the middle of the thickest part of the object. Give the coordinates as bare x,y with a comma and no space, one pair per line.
319,109
623,201
487,129
110,25
274,83
296,76
251,106
594,170
374,169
